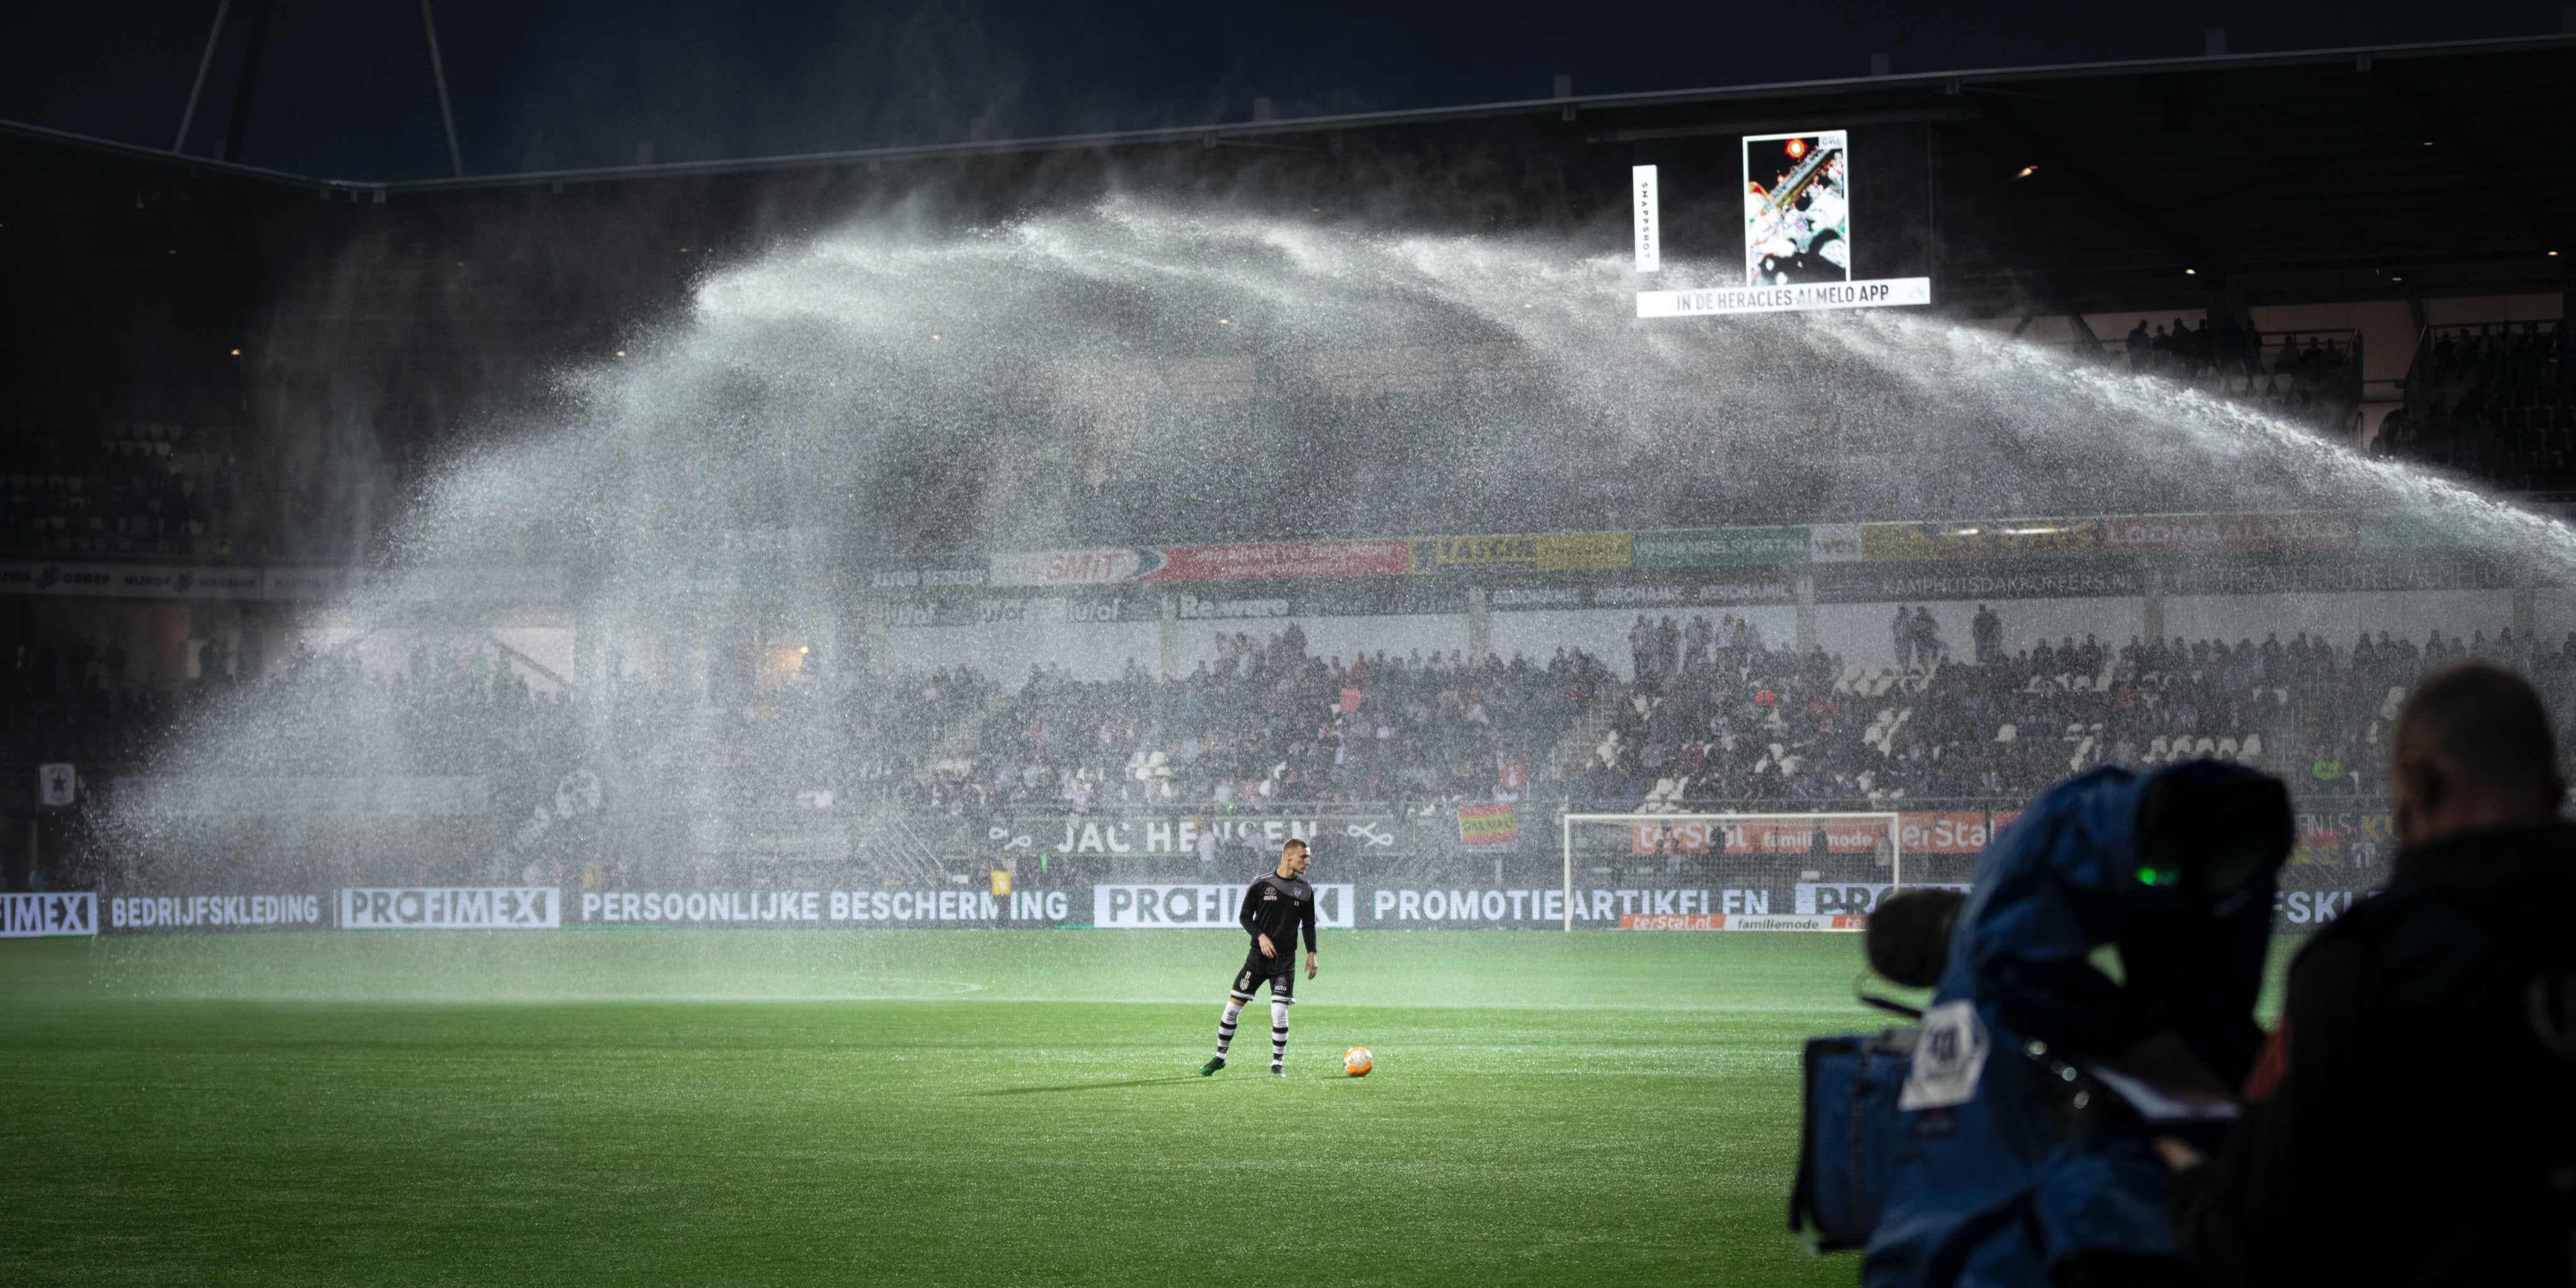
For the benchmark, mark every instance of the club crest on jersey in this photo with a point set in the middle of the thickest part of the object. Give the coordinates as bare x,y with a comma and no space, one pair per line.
1269,893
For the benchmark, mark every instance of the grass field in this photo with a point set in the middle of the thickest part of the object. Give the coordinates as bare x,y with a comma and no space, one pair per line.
919,1107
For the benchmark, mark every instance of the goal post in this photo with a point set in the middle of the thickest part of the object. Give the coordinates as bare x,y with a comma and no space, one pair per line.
1789,854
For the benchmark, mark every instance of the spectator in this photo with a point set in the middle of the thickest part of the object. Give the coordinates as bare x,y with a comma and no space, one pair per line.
2442,1007
1928,647
1695,655
1901,636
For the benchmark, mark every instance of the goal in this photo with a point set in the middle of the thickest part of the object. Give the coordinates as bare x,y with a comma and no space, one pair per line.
1750,871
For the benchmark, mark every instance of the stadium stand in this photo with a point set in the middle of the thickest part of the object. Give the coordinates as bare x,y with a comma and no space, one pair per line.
2492,400
1767,726
1269,723
124,488
1733,725
2312,378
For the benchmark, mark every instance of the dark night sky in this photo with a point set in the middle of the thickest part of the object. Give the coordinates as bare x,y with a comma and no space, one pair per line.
346,92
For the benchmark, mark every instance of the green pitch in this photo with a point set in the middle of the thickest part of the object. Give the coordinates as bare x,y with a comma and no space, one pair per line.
913,1107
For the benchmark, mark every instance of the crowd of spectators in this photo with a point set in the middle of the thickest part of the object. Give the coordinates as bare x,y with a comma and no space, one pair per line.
1768,725
1715,718
2314,378
1665,647
1265,722
127,489
2495,401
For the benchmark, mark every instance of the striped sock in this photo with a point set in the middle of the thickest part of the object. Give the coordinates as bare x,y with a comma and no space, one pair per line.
1278,1032
1225,1027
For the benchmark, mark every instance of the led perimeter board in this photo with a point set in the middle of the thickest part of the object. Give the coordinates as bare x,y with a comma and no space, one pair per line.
1777,223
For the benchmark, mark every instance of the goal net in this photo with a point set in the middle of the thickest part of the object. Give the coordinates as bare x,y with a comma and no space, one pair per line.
1751,871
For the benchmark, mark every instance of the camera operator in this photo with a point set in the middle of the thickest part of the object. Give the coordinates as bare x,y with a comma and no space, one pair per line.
2412,1118
2018,1148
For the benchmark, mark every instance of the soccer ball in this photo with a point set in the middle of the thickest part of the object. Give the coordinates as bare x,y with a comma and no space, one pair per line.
1356,1062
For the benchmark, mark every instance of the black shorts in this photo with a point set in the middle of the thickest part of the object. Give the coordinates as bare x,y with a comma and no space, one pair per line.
1281,971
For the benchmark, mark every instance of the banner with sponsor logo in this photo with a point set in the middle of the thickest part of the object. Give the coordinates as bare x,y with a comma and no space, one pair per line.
1735,592
1724,547
1980,539
1918,832
131,581
451,908
2172,540
1833,897
1948,831
2350,574
1543,907
1237,561
1198,907
1547,552
377,796
1335,836
1758,836
1833,542
1885,583
2209,534
500,584
2294,910
1721,921
823,909
959,574
1098,566
216,912
1116,906
1496,826
1018,610
2362,839
48,915
2426,529
1230,608
497,584
1269,560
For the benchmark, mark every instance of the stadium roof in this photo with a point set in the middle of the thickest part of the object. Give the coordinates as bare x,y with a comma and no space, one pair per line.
2302,176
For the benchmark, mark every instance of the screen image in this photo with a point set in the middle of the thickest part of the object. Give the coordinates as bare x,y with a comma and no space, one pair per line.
1765,223
1797,208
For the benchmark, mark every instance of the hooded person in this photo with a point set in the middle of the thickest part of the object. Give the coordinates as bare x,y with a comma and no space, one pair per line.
2007,1164
2410,1121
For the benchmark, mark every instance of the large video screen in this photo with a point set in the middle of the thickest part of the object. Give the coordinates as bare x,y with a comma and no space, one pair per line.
1797,208
1819,219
